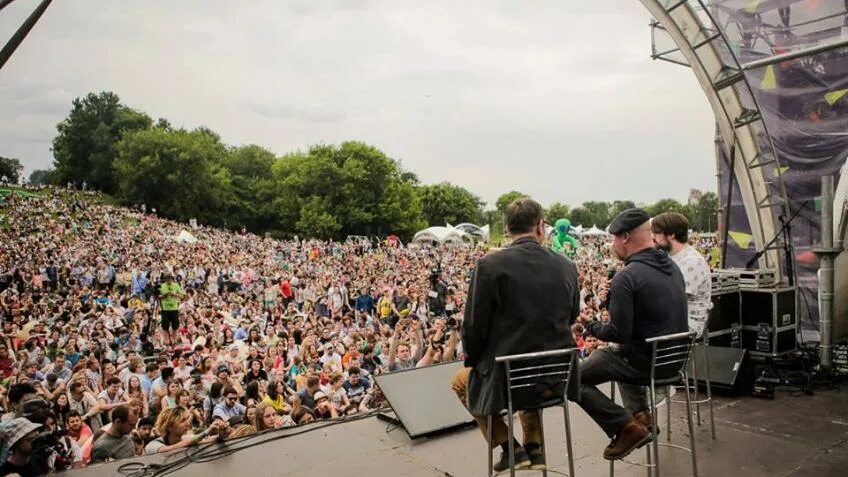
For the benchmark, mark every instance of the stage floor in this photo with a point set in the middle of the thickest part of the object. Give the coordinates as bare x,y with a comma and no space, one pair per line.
790,436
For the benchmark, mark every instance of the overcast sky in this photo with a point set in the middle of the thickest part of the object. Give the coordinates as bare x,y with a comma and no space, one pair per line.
556,98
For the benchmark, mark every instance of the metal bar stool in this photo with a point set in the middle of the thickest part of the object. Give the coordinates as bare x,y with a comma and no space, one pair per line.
524,371
701,342
670,355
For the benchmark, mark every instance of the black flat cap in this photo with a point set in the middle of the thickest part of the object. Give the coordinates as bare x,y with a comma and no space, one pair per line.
628,220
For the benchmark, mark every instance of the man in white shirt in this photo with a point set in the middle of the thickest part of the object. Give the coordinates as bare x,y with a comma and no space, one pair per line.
671,233
331,356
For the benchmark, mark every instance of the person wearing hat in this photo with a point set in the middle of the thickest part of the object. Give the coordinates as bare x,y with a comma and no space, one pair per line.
324,408
20,433
647,299
226,379
331,356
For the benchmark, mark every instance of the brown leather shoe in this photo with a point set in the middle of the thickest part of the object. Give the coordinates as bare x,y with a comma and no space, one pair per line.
644,418
631,436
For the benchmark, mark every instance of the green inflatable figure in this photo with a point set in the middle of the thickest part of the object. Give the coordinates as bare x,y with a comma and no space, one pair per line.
563,226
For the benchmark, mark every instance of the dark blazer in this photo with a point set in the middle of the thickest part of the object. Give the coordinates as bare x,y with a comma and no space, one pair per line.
522,299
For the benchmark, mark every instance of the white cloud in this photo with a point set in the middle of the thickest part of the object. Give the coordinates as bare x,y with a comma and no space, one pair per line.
555,98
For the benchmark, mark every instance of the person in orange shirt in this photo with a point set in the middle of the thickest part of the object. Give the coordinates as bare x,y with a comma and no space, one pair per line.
351,353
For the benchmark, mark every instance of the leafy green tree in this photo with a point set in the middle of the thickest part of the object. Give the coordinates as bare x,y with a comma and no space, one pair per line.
556,211
666,205
84,149
178,172
41,176
619,206
599,212
362,189
506,199
11,169
581,216
704,215
252,187
315,221
447,203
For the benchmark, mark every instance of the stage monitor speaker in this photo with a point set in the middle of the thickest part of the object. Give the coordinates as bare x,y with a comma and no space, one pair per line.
725,365
422,399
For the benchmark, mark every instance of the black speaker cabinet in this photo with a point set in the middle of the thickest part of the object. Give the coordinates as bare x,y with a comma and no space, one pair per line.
769,321
725,323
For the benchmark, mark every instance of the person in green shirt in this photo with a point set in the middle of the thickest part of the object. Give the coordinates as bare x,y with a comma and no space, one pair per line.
170,293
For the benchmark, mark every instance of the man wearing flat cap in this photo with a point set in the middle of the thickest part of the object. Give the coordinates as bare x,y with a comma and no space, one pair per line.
647,299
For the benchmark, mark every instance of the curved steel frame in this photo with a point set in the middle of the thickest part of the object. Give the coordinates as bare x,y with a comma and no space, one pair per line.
707,50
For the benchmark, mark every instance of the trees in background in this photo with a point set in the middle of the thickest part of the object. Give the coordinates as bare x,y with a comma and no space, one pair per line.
41,177
327,191
556,211
84,148
11,169
350,189
446,203
179,173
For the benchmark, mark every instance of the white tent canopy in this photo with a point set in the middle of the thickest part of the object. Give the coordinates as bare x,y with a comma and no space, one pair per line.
186,237
594,232
479,233
441,235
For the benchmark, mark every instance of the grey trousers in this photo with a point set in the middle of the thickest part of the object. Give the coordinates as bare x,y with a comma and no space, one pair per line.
602,366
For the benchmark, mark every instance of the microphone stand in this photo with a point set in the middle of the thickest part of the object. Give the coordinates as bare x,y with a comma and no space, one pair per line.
787,245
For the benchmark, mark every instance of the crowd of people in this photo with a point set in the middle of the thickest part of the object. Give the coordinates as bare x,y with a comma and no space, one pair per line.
136,340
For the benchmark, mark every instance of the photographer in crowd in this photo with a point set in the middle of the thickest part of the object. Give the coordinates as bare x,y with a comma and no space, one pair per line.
19,435
170,293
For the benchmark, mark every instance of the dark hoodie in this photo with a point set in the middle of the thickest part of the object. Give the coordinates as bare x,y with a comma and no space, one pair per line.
647,299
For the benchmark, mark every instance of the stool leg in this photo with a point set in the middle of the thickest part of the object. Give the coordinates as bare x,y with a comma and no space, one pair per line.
668,413
542,444
612,397
648,467
511,440
694,382
654,443
709,384
691,432
568,441
491,471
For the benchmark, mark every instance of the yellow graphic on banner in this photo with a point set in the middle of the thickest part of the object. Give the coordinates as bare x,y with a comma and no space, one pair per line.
835,96
783,169
752,7
769,79
741,238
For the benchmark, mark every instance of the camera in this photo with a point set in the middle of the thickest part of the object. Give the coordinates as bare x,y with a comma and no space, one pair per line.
451,323
48,450
434,275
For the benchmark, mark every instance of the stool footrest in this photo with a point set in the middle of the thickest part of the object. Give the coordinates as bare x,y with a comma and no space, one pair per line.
675,446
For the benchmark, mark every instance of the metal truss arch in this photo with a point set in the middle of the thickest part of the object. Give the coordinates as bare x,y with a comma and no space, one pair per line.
702,45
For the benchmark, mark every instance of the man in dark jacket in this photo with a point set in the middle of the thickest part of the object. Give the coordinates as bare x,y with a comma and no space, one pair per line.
647,299
522,299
